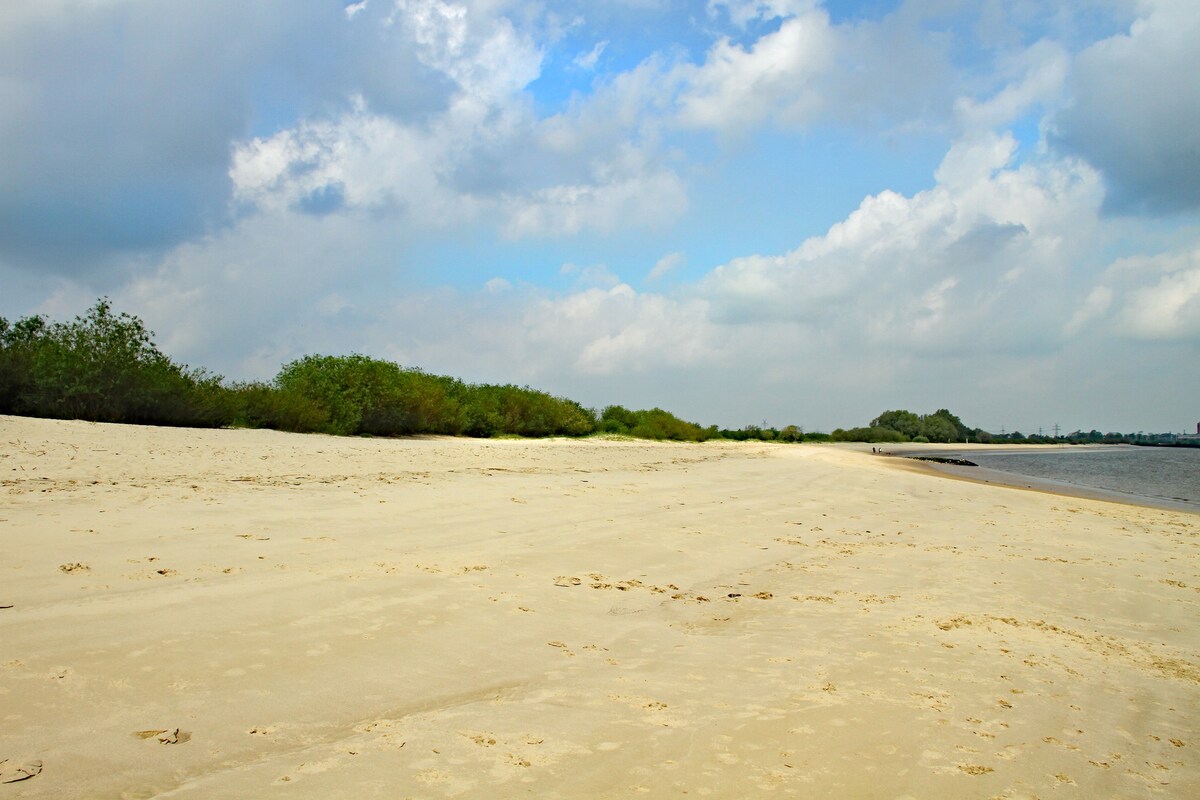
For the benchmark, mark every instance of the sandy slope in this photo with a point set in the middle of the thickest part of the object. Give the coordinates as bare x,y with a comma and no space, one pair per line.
257,614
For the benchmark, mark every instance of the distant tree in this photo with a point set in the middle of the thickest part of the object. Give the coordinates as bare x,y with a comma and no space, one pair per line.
871,434
938,429
961,431
18,345
901,421
102,366
791,433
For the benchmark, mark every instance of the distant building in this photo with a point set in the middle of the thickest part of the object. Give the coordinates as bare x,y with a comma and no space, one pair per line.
1190,437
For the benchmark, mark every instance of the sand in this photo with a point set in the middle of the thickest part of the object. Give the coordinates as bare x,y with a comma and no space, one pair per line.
257,614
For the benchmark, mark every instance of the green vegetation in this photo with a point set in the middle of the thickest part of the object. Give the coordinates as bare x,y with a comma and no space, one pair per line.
105,367
943,426
652,424
905,426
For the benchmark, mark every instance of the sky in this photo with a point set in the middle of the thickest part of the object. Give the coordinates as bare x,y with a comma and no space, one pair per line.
744,211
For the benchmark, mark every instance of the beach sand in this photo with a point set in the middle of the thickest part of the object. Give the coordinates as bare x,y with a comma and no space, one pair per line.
239,613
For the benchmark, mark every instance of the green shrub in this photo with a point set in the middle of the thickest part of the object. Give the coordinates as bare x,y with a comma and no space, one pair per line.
361,395
102,367
522,411
259,405
868,435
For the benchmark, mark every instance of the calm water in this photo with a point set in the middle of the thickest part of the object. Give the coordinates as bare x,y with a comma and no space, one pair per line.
1157,473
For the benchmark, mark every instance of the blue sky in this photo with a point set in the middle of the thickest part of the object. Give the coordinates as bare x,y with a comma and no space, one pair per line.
753,210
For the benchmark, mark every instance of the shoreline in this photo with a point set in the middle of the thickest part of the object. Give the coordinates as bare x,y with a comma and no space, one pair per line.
995,477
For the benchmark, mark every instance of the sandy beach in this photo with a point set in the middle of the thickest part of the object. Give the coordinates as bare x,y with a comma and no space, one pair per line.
235,613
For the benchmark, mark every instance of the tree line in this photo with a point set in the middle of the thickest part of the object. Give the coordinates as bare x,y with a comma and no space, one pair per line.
104,366
943,426
905,426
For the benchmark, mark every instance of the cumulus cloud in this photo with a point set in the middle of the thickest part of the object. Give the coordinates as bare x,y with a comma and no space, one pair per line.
371,162
665,265
804,71
966,265
120,116
568,209
295,190
618,330
1135,110
775,78
1034,77
1146,297
481,51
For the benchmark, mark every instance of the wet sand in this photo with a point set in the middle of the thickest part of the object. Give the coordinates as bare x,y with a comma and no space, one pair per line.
258,614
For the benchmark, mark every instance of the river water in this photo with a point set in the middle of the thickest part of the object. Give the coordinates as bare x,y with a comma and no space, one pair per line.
1168,476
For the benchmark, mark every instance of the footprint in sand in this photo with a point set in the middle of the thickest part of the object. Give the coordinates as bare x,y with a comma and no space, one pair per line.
482,740
14,772
975,769
165,736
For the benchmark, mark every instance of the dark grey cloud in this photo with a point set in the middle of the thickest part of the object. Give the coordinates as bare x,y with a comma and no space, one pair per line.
1135,112
118,120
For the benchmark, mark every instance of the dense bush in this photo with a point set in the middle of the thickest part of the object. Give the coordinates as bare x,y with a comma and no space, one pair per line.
868,435
522,411
262,406
940,426
102,367
653,424
360,395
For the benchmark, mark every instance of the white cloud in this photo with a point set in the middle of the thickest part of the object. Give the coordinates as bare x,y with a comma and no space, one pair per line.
970,264
637,199
1094,306
527,178
743,12
592,276
1170,309
619,331
775,79
665,265
1151,297
589,59
1036,76
418,127
373,162
480,50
